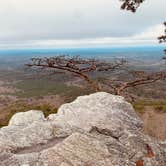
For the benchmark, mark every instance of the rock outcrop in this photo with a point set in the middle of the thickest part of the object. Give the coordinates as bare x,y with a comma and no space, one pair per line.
96,130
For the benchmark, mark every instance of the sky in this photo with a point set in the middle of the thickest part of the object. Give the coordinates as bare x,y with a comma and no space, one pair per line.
78,23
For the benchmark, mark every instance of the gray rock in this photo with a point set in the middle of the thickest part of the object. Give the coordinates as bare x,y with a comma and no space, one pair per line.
99,109
77,149
100,130
22,118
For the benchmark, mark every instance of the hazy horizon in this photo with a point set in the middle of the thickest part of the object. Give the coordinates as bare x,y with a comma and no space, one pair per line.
146,54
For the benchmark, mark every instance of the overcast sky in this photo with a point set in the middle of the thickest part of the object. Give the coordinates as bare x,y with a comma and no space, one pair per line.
78,23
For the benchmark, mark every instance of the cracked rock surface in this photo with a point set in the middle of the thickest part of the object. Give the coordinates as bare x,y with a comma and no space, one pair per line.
95,130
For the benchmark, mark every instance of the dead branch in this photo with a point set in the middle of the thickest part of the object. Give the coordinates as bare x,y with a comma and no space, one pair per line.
162,38
131,5
77,66
140,78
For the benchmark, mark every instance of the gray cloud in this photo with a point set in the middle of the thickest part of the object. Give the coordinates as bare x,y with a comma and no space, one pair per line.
34,20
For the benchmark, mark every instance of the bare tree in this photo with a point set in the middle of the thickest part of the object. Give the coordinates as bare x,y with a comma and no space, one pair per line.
82,67
77,66
118,87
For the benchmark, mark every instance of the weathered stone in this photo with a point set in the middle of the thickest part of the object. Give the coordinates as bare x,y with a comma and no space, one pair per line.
100,130
24,118
99,109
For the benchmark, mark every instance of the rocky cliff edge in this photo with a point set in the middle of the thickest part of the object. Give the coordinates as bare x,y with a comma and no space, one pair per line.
95,130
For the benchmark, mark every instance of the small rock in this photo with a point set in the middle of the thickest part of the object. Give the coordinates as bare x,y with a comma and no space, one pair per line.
23,118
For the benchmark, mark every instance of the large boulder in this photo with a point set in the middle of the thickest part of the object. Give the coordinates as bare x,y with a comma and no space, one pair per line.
99,129
102,110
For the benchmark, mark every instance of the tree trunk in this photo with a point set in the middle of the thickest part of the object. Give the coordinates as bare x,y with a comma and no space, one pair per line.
92,83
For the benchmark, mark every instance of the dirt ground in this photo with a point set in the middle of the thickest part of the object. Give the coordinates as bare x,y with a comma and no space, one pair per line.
5,88
154,123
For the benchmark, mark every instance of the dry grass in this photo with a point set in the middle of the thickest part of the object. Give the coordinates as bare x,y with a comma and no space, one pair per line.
22,107
157,105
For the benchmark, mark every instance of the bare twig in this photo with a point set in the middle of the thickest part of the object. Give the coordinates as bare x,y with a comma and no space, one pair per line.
131,5
162,38
140,78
